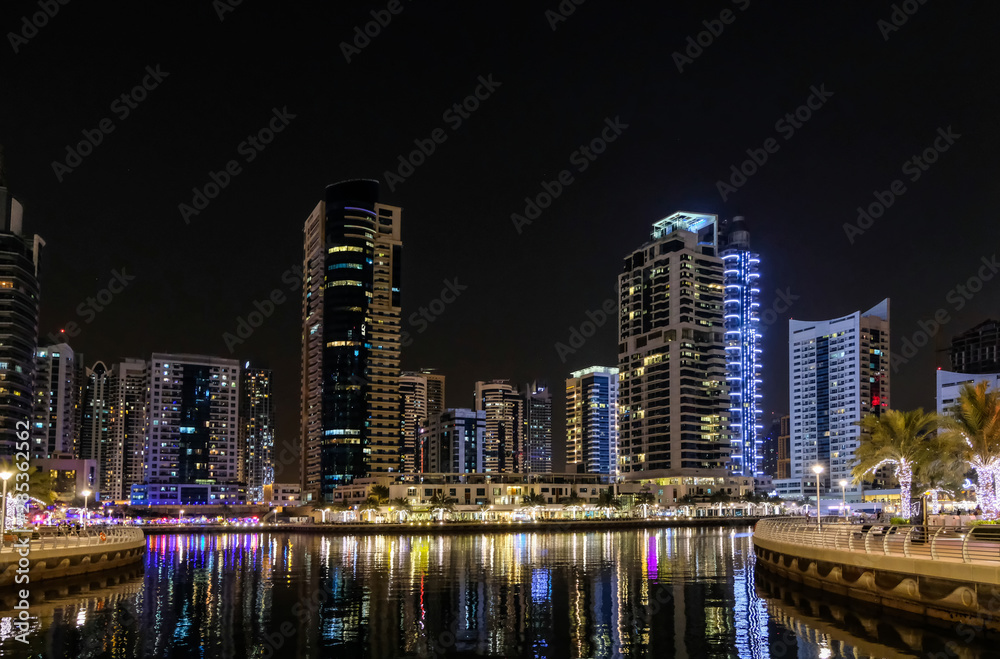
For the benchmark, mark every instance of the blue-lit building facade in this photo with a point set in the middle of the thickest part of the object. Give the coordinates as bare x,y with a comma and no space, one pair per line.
592,420
350,417
741,318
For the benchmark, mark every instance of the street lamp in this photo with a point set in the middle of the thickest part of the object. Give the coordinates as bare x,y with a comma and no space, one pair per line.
3,510
843,491
818,469
180,513
86,493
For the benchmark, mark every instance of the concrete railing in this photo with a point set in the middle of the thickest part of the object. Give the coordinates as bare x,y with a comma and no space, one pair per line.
94,536
978,544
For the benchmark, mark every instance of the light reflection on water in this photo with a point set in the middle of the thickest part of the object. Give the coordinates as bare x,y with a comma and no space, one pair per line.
657,592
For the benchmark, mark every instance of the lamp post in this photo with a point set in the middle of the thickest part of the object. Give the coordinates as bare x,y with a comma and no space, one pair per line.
818,469
86,493
843,505
180,513
3,509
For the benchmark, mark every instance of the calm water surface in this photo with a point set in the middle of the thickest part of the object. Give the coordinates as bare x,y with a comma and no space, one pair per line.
647,593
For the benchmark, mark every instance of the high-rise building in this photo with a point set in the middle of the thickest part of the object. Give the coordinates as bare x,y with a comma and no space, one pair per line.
55,429
949,384
435,391
592,420
454,442
838,373
256,432
125,464
769,449
503,443
784,465
19,256
414,413
97,407
977,350
743,348
350,419
537,431
673,402
192,451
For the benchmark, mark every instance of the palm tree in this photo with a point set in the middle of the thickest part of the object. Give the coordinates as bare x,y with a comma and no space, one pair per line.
644,499
533,501
975,421
380,493
400,507
572,503
898,439
607,502
370,504
441,504
39,483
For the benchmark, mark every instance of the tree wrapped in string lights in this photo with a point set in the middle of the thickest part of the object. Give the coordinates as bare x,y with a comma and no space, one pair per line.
975,422
897,439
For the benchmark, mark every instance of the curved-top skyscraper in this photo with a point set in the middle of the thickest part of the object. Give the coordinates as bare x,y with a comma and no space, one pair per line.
18,319
350,338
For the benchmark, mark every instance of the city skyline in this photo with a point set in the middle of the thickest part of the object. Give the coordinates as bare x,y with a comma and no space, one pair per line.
666,155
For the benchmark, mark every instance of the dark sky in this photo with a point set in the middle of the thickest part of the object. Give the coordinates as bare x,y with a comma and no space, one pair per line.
118,209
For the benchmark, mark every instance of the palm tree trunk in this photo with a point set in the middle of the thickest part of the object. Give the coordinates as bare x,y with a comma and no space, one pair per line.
985,489
905,477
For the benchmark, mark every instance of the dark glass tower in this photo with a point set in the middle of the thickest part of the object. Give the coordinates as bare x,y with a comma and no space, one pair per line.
18,319
351,338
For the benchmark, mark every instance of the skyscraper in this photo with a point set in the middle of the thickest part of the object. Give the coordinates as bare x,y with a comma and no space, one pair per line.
256,432
193,455
949,384
350,420
743,351
977,350
537,430
19,256
838,373
125,465
435,391
56,425
673,400
413,401
97,406
454,442
592,420
503,448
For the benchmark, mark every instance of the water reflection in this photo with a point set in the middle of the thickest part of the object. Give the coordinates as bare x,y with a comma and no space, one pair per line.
662,592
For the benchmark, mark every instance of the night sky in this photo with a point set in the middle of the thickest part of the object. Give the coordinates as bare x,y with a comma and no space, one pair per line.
884,93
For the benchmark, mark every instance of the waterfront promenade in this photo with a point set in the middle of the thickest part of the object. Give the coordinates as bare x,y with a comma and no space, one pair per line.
945,573
58,555
438,528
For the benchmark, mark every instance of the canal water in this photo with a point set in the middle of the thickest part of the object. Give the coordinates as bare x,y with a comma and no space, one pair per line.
680,592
